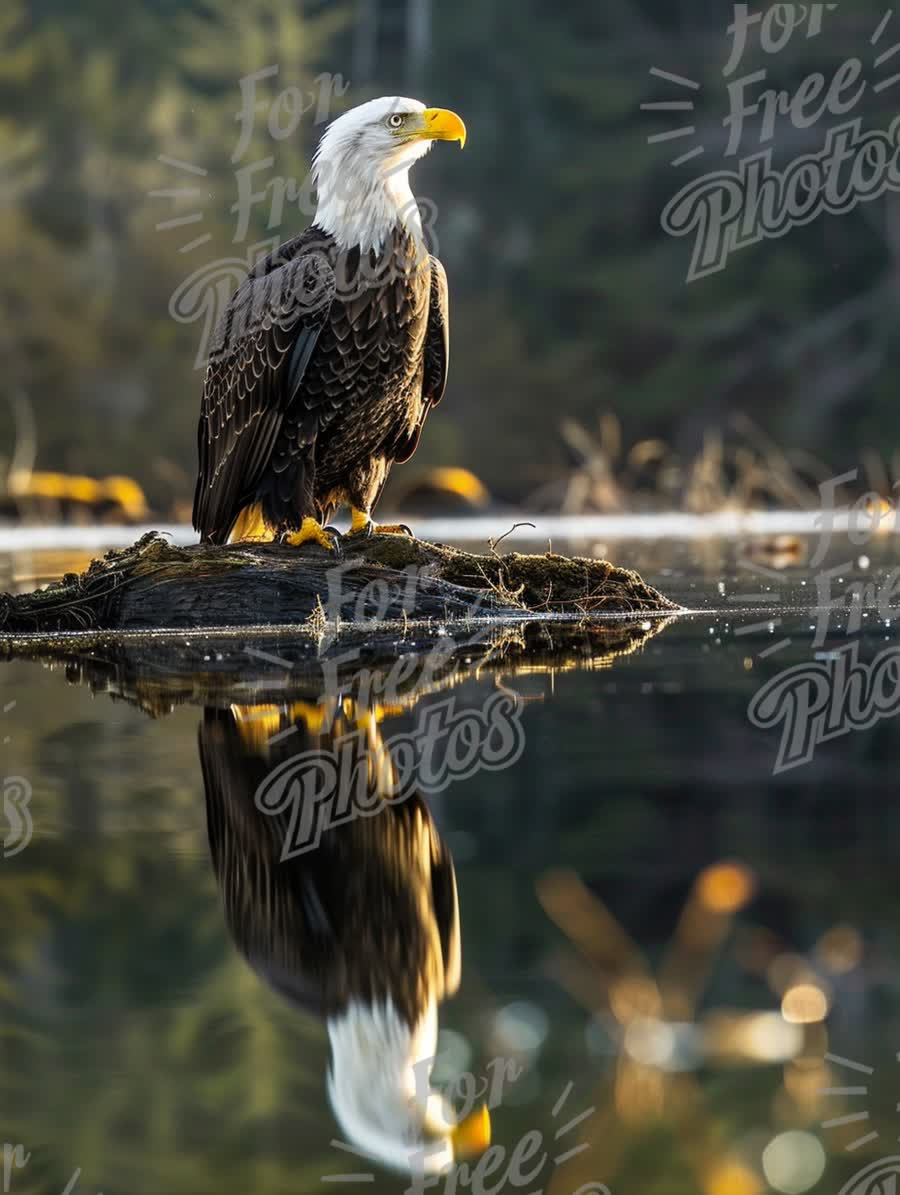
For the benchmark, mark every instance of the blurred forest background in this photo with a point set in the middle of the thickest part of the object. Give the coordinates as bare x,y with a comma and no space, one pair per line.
575,335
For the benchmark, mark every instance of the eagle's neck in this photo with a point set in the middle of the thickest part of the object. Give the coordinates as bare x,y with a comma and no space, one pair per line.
363,207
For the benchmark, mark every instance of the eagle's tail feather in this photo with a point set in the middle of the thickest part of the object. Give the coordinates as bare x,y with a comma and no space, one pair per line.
251,526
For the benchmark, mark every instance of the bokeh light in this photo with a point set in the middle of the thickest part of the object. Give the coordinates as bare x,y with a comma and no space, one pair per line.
804,1004
793,1162
732,1178
725,887
840,949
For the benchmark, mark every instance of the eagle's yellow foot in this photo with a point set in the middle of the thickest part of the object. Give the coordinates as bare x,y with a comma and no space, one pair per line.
361,524
259,724
313,532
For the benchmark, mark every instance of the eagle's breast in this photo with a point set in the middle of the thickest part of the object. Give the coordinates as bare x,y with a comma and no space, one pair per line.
365,378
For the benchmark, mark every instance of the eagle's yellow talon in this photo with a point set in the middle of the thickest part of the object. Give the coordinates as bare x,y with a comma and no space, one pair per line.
392,529
258,724
312,532
362,524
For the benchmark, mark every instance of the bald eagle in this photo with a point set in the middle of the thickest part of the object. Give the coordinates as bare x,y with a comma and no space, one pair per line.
362,931
333,350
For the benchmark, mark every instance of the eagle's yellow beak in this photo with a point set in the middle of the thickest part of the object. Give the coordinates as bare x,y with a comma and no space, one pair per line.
440,124
473,1135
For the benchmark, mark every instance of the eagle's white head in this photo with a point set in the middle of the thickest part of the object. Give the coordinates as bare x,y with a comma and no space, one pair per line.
380,1090
361,168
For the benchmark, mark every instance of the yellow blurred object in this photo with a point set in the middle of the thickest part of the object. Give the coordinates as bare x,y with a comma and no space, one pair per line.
732,1178
473,1135
725,887
804,1004
125,493
461,482
634,996
444,488
120,492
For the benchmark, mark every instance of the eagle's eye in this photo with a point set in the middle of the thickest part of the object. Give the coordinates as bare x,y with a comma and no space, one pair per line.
395,121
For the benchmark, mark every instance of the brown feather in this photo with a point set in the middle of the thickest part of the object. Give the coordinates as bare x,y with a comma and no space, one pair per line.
321,379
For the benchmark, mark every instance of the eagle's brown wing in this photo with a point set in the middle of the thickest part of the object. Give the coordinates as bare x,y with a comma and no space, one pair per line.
437,355
437,341
261,349
266,906
446,912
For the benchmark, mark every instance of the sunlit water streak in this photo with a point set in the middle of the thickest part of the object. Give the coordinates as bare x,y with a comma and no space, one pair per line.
482,528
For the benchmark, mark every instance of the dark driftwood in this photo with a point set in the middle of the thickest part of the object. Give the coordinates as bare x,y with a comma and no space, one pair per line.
388,578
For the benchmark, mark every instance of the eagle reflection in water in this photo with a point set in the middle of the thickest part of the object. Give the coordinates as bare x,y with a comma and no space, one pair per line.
363,930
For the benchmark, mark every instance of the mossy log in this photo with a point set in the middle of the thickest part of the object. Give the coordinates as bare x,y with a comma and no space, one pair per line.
154,586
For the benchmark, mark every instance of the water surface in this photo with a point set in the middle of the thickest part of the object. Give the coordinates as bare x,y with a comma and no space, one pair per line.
657,928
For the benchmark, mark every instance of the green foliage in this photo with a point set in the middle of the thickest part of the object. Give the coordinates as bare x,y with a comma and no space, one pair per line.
568,297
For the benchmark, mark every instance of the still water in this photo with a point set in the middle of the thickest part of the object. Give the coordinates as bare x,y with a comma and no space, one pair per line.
663,961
